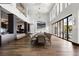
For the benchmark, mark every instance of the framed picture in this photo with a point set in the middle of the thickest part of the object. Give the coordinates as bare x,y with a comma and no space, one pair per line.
41,25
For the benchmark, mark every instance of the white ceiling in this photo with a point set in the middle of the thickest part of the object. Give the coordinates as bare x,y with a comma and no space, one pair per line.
40,7
39,10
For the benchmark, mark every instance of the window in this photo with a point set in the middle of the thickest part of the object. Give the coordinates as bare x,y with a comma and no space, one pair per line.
57,8
70,24
59,29
66,4
60,7
63,28
52,29
56,28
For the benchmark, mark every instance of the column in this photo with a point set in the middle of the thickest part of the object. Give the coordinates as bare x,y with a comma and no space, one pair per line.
28,27
11,23
25,27
0,26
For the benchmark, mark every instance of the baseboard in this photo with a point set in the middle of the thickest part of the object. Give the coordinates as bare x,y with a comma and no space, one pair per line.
69,41
73,43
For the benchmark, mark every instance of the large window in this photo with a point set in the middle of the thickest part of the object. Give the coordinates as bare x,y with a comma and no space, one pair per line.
58,9
59,29
61,7
63,28
52,29
56,29
70,24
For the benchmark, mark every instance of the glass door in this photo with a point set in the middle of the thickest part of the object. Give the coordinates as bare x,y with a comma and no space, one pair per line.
62,29
65,28
59,28
56,28
70,24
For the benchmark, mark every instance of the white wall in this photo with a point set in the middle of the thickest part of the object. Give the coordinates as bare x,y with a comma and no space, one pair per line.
37,14
74,10
45,18
7,38
12,9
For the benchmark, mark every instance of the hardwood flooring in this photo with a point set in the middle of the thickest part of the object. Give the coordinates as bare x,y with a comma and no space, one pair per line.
22,47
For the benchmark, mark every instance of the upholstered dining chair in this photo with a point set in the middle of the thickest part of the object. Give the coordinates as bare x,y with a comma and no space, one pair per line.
41,39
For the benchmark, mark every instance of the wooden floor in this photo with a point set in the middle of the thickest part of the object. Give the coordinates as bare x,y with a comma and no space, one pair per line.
23,47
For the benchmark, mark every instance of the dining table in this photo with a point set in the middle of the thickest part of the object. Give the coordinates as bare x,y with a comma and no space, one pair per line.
35,38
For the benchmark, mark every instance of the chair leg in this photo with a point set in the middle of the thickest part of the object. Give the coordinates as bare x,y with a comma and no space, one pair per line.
45,44
50,41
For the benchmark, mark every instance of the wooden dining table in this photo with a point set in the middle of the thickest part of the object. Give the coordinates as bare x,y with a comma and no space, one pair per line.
35,38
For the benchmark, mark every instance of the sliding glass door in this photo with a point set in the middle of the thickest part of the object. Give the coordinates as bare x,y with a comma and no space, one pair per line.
63,28
70,24
59,29
56,28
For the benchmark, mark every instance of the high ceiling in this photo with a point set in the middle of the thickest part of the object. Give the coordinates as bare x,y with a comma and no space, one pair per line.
39,10
40,7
